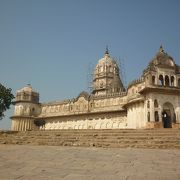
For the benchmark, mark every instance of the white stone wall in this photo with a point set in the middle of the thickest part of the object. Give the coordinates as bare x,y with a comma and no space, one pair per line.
113,121
27,109
162,99
135,116
83,106
22,124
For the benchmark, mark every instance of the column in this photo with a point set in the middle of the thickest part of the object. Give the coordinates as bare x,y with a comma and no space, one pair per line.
20,125
25,126
17,125
14,127
28,124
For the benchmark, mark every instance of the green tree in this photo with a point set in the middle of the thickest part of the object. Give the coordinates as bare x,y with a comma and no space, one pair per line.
6,98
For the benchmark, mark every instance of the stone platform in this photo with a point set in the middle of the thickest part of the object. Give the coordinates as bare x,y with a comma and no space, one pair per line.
27,162
118,138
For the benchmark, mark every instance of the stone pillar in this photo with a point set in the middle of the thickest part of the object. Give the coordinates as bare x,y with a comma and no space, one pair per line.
175,81
28,124
23,125
17,125
156,79
12,125
151,110
20,125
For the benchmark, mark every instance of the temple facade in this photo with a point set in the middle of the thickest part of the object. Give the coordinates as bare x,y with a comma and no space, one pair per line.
152,101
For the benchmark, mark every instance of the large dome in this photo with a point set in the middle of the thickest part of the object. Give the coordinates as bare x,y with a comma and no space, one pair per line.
162,59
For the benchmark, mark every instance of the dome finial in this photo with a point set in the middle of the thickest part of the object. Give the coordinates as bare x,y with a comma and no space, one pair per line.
161,49
107,51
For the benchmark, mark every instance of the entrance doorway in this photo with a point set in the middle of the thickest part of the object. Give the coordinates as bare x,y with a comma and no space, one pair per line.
167,119
167,115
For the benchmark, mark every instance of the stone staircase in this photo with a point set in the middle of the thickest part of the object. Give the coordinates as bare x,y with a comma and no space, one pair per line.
155,138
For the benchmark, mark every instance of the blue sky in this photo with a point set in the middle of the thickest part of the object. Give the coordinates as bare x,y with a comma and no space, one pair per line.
51,43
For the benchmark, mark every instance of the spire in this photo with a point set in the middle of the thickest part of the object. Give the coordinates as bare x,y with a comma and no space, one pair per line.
107,51
106,54
161,50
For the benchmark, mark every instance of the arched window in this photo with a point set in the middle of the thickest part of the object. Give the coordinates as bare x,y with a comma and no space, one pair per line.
172,80
91,105
161,80
179,82
166,80
153,79
148,104
155,103
156,116
148,116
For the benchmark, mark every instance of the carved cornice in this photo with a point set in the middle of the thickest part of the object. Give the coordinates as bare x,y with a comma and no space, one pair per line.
161,89
82,114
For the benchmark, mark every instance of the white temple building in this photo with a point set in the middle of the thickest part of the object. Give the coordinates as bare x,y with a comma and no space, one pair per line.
152,101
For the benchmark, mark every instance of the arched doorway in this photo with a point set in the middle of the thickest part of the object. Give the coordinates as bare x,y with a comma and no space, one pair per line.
161,80
167,115
166,80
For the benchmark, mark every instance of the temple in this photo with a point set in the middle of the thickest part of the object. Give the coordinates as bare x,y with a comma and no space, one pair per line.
152,101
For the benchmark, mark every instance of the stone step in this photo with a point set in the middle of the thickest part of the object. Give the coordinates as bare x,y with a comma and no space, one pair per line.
98,138
102,131
103,134
92,133
104,144
111,140
82,138
100,134
125,141
114,145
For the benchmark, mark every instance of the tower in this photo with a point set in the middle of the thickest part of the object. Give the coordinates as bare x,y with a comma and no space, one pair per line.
27,108
106,78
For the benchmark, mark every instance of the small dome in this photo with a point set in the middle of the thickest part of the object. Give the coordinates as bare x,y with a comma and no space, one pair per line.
83,94
27,88
162,58
27,94
106,61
